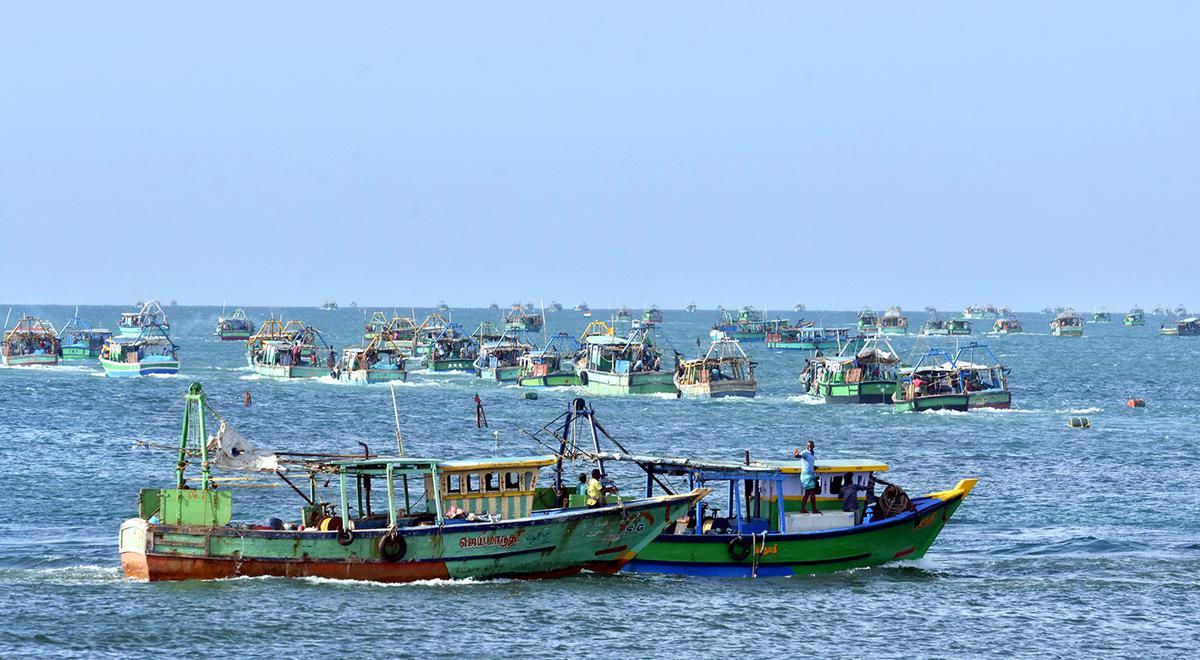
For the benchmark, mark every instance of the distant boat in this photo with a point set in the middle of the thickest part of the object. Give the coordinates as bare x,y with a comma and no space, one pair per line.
552,366
499,360
987,312
1136,316
623,313
30,342
380,361
799,307
1067,324
748,325
865,370
452,350
519,318
1007,326
691,307
235,327
868,321
932,384
652,316
554,307
1101,316
1185,327
893,322
493,307
148,314
329,306
289,351
804,336
442,306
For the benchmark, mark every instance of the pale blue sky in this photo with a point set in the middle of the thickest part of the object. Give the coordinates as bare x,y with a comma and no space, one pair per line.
839,154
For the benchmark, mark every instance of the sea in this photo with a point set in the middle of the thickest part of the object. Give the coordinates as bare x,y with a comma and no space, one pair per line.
1077,542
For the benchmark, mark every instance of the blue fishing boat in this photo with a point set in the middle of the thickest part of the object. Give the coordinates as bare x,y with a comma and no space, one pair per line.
933,383
80,341
151,352
500,360
149,314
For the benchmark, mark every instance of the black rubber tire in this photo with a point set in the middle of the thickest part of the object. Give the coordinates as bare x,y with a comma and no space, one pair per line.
739,548
392,546
345,536
583,379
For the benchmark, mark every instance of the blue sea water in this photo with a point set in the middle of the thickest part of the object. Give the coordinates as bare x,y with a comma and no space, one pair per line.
1077,542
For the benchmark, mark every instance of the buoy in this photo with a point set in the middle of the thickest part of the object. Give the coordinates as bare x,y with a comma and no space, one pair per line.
528,395
1136,403
1079,422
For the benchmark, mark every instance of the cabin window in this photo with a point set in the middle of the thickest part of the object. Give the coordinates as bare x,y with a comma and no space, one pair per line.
835,484
491,482
529,480
454,483
472,483
512,481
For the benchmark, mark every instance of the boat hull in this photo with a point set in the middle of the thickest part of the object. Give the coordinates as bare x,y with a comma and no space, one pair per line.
718,389
551,545
499,374
457,364
868,392
1068,332
135,369
79,353
234,335
126,331
549,380
285,371
31,360
649,382
959,402
903,537
1001,399
370,376
804,345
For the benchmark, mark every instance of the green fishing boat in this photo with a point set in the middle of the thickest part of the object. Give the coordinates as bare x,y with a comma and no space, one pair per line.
893,322
752,526
1101,316
1136,316
934,326
806,337
983,377
958,327
452,350
389,519
1007,326
288,351
80,341
1067,324
380,361
748,324
552,366
868,321
651,317
500,359
376,325
866,370
519,318
614,364
933,383
31,342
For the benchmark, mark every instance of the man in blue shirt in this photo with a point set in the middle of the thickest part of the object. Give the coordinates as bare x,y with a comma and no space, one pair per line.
808,476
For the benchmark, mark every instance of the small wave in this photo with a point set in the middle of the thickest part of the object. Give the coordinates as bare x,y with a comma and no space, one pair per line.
250,377
83,574
1080,411
946,413
806,399
434,582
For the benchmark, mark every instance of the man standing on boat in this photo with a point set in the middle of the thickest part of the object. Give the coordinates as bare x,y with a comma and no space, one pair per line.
596,490
808,476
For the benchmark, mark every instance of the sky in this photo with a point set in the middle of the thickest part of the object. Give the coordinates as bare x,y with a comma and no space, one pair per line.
841,155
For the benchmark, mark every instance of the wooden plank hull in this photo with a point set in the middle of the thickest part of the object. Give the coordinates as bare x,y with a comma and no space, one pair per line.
549,380
79,353
371,376
454,364
718,389
869,392
499,374
285,371
646,382
554,544
32,360
957,402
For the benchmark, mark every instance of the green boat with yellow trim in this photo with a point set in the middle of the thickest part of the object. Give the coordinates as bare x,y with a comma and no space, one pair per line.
615,364
452,350
751,525
553,366
291,350
866,370
389,519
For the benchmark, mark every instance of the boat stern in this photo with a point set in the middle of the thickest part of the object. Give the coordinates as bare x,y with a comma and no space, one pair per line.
132,544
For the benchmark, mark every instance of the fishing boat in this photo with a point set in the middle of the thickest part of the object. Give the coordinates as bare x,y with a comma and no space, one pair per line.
615,364
865,370
443,307
1007,326
725,370
691,307
752,525
30,342
430,328
452,350
553,366
958,327
387,519
151,352
582,307
1067,324
893,322
486,332
623,313
1180,311
148,314
933,383
806,337
934,325
651,317
500,360
77,340
518,318
329,306
983,378
985,313
377,324
1185,327
748,324
235,327
287,351
1101,316
493,307
555,307
1048,310
868,321
1136,316
799,307
380,361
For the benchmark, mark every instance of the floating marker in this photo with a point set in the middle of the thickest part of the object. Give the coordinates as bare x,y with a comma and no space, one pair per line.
1079,422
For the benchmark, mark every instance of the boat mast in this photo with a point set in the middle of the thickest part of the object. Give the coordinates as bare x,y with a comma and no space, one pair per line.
194,399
